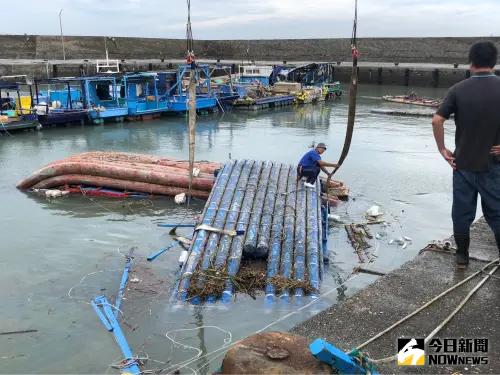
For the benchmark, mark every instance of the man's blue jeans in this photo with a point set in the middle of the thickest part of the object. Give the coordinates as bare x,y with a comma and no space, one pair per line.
466,186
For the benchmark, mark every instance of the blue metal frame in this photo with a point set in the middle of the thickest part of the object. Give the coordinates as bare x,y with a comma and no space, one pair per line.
179,96
155,255
123,283
105,313
109,319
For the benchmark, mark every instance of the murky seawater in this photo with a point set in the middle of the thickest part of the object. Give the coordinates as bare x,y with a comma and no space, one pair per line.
57,255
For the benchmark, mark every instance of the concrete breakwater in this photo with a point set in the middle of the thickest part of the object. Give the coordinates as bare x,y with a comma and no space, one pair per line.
403,50
432,62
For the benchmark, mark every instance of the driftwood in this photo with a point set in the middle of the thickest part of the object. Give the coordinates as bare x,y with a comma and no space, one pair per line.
358,235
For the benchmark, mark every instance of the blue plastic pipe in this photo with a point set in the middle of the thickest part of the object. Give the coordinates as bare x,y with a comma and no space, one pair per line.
320,232
250,244
108,318
266,221
210,250
123,282
299,256
232,219
236,251
153,256
312,245
201,236
273,260
286,265
164,225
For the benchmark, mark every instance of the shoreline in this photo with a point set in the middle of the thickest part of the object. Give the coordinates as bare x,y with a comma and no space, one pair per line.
402,291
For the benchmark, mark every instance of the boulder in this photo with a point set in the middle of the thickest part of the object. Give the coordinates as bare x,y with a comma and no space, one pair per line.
273,353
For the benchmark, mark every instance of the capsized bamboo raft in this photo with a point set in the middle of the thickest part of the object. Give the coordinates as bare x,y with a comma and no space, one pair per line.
282,221
122,172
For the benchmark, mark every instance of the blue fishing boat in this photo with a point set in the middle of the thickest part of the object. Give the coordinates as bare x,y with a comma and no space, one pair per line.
103,98
142,94
176,83
15,112
59,101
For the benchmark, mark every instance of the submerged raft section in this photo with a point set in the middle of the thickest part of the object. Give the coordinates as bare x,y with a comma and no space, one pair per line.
257,211
115,173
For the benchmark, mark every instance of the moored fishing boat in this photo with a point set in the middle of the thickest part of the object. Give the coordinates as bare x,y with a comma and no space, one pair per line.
413,99
142,96
59,101
15,113
103,99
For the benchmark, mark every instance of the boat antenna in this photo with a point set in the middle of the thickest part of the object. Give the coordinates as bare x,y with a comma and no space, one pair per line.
352,95
190,59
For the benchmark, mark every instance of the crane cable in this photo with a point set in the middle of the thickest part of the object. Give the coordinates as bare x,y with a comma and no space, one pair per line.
352,98
190,59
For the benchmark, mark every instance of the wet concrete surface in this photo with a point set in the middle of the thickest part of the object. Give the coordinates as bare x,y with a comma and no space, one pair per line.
402,291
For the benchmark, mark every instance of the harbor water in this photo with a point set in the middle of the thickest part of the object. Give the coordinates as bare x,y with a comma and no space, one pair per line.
57,255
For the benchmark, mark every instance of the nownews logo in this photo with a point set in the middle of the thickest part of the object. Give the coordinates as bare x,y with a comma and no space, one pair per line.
411,352
462,351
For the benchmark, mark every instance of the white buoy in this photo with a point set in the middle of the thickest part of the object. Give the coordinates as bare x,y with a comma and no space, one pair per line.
180,198
183,257
335,218
196,172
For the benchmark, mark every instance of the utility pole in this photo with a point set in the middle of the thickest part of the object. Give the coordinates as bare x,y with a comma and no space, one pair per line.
62,35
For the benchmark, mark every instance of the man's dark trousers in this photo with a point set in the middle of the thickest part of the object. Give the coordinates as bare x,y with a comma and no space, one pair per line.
466,186
310,173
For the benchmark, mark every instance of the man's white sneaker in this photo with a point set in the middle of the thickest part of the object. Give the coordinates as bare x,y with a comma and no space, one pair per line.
307,184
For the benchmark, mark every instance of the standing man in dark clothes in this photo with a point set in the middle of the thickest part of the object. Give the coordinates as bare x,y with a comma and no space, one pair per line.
311,164
475,102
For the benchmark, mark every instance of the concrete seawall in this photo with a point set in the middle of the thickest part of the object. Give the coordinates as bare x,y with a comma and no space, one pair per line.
432,62
409,50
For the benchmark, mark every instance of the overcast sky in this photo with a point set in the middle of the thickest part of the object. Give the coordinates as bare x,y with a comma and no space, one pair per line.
254,19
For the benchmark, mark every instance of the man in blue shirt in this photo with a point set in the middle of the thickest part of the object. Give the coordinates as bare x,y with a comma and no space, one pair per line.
311,164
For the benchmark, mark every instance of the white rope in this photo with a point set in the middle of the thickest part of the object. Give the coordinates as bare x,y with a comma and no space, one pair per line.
199,352
222,350
427,304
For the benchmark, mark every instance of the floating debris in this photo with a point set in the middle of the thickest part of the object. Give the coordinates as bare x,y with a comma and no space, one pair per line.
358,235
373,212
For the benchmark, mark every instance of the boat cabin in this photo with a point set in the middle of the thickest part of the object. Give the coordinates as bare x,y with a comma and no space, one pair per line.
15,109
142,94
105,98
59,101
248,74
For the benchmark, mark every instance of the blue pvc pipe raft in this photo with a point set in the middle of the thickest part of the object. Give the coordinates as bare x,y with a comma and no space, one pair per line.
281,222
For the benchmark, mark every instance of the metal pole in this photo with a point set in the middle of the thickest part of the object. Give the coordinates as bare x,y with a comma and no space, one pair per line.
62,35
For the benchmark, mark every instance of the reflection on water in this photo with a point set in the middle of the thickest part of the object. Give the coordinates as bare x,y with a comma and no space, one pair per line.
48,246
